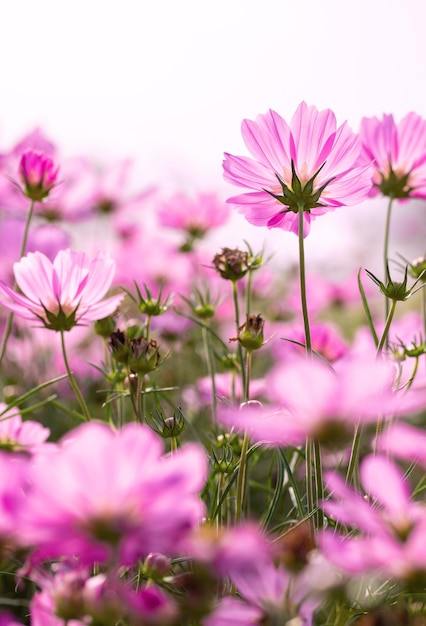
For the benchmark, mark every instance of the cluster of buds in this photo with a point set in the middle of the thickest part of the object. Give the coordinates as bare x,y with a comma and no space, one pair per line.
139,354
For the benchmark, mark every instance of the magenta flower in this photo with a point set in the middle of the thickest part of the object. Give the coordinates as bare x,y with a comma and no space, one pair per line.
310,162
399,155
115,496
62,293
38,174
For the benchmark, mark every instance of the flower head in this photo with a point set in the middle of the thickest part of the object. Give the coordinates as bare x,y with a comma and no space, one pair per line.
38,174
399,155
309,163
115,496
62,293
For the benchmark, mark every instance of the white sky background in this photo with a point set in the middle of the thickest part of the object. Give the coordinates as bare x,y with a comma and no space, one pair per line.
168,82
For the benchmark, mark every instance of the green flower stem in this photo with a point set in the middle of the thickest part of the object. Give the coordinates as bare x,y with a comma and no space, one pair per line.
237,325
352,473
9,320
385,334
319,485
248,291
72,380
309,478
386,248
302,275
138,403
242,470
242,478
248,373
210,370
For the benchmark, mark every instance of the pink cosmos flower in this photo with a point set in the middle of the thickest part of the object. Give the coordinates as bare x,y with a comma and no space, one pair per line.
399,155
115,496
404,441
310,161
392,524
62,293
196,216
267,591
19,436
358,390
38,174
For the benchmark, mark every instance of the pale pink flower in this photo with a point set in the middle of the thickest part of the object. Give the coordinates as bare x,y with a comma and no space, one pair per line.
309,161
392,525
62,293
115,496
268,591
19,436
196,215
310,399
399,155
404,441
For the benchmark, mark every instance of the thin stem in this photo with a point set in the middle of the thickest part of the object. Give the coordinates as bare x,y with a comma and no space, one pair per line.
353,461
248,291
309,478
248,373
211,370
9,321
319,485
26,229
242,478
237,325
72,380
242,470
386,248
385,334
138,403
302,275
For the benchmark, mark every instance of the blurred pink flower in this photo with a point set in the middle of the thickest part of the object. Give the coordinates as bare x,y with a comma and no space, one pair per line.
404,441
38,174
398,152
392,525
309,161
115,496
196,216
62,293
19,436
358,390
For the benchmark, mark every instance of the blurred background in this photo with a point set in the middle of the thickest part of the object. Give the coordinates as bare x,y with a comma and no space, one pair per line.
168,82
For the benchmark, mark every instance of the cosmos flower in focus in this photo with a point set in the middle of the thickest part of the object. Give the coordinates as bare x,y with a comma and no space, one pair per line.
62,293
309,163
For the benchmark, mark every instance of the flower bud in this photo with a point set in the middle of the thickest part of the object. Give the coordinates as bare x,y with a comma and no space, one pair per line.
119,345
168,427
250,334
144,355
156,565
231,264
38,174
105,327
